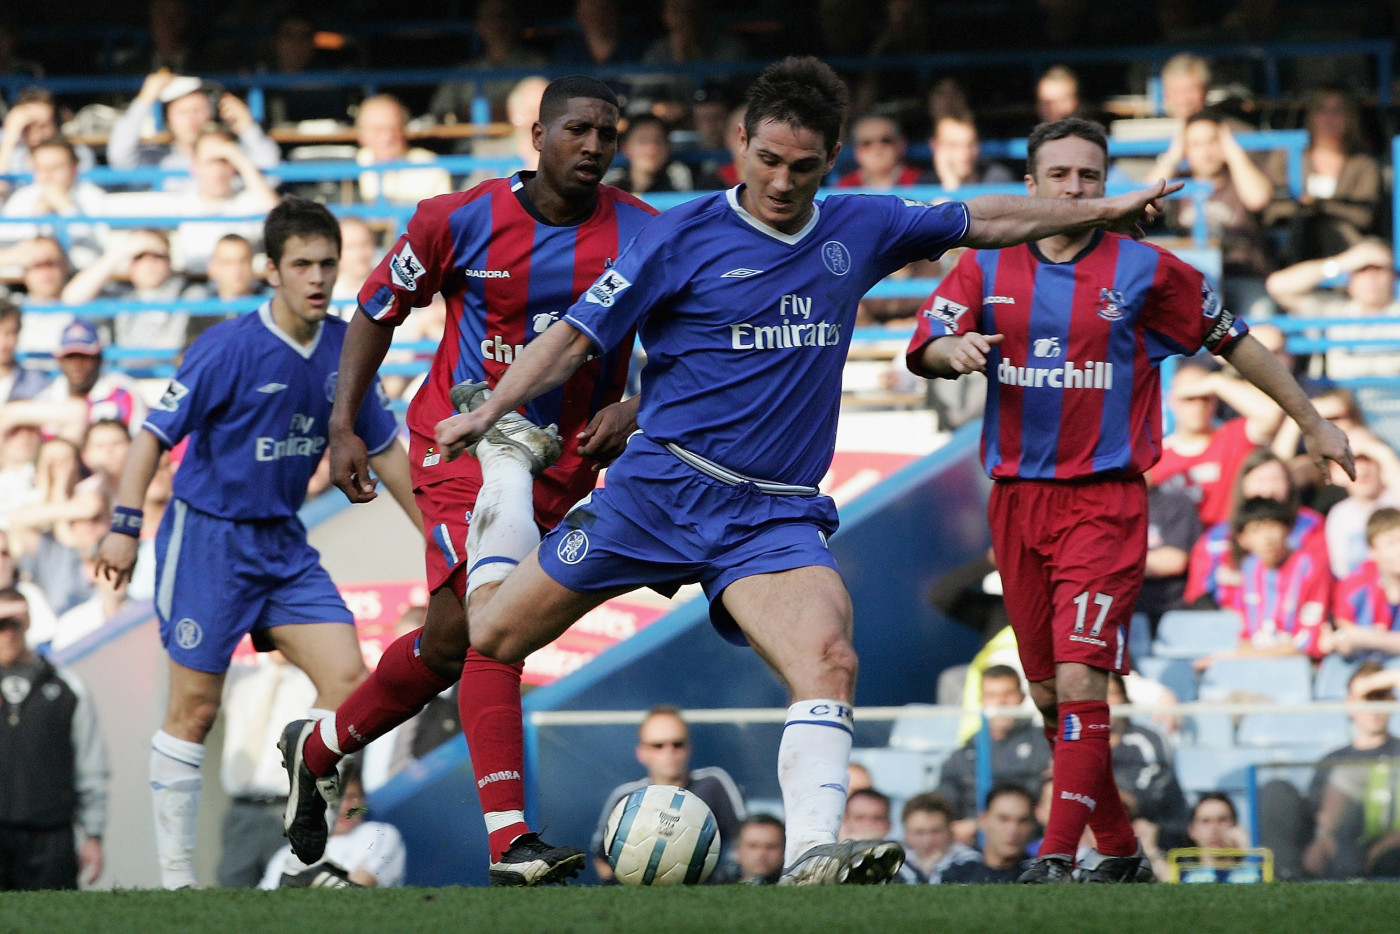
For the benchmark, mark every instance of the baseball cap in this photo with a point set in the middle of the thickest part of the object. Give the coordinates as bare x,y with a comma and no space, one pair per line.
79,338
178,87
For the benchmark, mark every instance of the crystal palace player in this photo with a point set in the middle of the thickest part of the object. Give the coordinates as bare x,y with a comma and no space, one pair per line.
253,397
509,256
744,301
1070,331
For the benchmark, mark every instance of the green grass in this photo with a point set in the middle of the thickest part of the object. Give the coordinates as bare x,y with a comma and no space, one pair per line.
1229,909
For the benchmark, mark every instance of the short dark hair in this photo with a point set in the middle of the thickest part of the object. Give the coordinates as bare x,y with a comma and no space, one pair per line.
1002,671
234,238
57,142
107,423
929,802
1003,788
1263,509
1220,796
799,91
1382,520
561,90
1206,115
641,120
763,820
1077,127
8,310
298,217
872,794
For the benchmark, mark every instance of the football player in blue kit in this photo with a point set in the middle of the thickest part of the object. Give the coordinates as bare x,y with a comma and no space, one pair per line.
253,396
744,301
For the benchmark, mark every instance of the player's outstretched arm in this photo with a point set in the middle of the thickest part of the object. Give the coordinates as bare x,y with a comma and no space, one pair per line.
953,356
116,555
1323,440
547,361
996,221
391,466
365,345
605,437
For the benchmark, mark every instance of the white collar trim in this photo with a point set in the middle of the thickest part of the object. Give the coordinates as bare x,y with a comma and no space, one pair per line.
305,350
790,239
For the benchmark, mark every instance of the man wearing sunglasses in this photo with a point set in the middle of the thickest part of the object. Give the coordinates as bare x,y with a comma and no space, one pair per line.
663,749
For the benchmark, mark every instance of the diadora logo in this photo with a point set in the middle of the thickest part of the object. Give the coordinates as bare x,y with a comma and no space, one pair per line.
741,273
609,286
946,310
998,300
574,547
1110,304
1085,800
507,775
170,399
495,348
405,269
486,273
1046,347
270,388
836,257
1092,375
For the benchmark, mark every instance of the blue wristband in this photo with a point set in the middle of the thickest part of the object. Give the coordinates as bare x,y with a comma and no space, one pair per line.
126,521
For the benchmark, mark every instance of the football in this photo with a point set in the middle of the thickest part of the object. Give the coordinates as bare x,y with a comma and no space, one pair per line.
661,835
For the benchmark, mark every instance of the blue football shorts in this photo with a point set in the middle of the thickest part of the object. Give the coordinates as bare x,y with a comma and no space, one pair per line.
661,523
218,579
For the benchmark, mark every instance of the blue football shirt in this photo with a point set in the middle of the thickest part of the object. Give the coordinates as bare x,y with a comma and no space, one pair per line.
746,329
255,405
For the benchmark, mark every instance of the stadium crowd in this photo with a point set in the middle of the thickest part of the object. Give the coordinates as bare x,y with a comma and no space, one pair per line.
94,304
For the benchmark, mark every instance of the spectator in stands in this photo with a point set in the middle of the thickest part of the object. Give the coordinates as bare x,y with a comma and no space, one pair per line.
880,147
928,839
522,113
33,118
1213,573
1366,605
1007,825
106,603
46,271
1347,827
727,175
1146,778
1203,458
1239,191
1173,528
857,778
1215,826
663,748
1370,293
1185,83
53,766
1057,95
381,130
758,856
1337,405
104,451
136,268
16,381
1020,752
19,452
81,394
1284,593
230,277
260,695
647,147
1377,485
691,38
955,156
42,621
189,105
1342,187
357,259
53,535
219,165
499,29
165,43
56,189
359,853
293,51
867,816
598,39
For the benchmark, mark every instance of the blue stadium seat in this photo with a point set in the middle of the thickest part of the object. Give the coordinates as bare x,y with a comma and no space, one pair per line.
773,806
1211,730
1175,673
1200,769
1193,633
899,773
1139,637
927,734
1284,680
1330,683
1295,730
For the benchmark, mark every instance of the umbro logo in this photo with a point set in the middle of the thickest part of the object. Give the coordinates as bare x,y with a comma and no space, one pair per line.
741,273
270,388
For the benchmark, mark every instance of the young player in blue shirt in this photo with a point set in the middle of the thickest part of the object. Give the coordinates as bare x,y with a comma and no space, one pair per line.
744,301
253,395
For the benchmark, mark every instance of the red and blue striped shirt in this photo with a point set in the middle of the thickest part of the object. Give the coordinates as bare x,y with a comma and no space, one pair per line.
1360,600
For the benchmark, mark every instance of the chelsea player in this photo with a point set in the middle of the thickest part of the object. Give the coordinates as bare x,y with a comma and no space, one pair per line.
745,300
253,396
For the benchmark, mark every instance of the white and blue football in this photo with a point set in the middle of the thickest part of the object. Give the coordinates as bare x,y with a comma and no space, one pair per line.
662,835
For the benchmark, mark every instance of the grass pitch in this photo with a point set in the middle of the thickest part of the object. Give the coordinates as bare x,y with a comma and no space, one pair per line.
1200,909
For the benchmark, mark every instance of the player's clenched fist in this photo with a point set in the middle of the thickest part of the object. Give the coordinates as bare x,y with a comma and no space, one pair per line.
116,556
969,353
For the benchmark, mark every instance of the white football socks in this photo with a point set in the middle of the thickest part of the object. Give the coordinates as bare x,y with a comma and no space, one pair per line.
812,760
503,530
175,784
